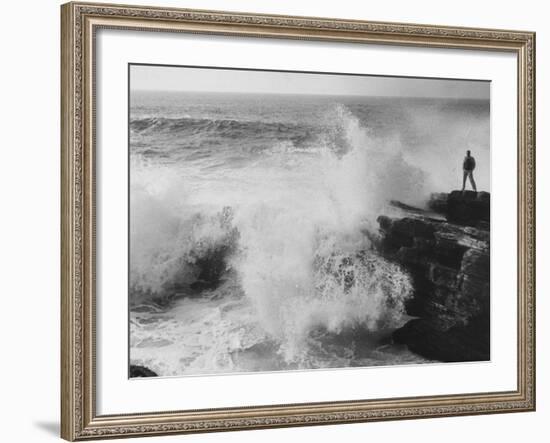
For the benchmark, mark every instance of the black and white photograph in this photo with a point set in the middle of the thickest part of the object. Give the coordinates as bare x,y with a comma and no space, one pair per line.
283,221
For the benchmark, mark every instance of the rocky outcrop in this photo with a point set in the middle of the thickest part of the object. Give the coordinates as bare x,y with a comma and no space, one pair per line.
448,260
141,371
468,207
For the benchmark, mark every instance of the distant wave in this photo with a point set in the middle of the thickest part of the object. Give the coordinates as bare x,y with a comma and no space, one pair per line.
222,127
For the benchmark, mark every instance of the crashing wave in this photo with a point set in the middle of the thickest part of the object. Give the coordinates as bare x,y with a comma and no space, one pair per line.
289,227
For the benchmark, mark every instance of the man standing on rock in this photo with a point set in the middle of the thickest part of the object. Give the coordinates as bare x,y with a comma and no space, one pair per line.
468,167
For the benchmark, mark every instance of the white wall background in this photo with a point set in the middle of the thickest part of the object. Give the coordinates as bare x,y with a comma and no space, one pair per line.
29,220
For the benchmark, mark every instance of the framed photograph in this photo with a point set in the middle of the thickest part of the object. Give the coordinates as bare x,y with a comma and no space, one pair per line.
282,221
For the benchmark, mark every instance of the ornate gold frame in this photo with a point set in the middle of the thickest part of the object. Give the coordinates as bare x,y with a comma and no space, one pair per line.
79,21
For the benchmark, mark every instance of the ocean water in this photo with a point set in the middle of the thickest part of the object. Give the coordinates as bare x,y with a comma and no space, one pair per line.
249,217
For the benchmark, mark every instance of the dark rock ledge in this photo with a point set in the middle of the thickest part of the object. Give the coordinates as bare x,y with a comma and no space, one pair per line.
448,260
141,371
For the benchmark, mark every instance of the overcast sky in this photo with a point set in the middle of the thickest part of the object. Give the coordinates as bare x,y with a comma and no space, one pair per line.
163,78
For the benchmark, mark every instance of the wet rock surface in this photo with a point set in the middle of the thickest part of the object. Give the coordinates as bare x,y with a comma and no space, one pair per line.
446,253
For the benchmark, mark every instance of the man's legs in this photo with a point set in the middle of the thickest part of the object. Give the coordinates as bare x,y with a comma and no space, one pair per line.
464,180
472,182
